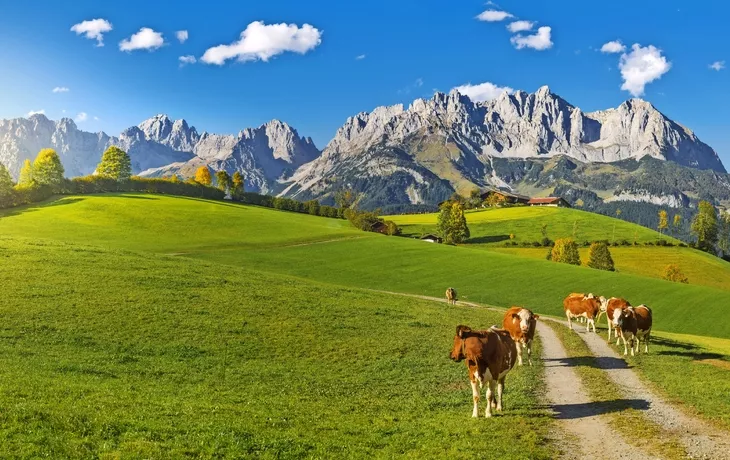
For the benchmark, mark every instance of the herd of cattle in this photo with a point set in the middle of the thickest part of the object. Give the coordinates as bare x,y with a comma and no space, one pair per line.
490,354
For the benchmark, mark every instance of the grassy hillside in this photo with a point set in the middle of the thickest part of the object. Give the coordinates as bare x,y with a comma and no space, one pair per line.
350,258
494,226
491,228
108,353
701,268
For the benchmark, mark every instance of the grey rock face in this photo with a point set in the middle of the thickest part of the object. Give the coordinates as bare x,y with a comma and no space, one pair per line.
463,135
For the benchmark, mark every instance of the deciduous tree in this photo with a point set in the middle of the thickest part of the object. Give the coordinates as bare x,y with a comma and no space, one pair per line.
6,186
565,251
26,174
704,226
672,272
663,221
451,223
223,180
47,168
677,223
202,176
238,185
115,164
600,256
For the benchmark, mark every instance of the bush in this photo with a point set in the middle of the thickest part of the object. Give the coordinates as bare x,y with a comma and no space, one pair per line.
682,245
625,243
672,272
537,244
600,257
662,243
565,251
391,228
546,242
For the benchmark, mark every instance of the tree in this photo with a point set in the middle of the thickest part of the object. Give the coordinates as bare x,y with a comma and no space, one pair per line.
724,235
677,223
475,198
202,176
345,198
663,221
451,223
26,174
618,213
223,180
565,251
174,179
6,186
600,257
47,168
672,272
115,164
704,226
237,184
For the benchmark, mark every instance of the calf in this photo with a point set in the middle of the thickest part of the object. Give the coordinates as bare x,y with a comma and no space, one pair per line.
451,296
634,325
611,308
587,306
520,323
489,355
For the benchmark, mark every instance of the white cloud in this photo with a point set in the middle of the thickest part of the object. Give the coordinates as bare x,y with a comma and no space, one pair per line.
60,89
360,57
494,16
182,35
96,118
613,47
185,60
520,26
717,65
82,116
93,29
262,42
484,91
145,39
539,41
36,112
642,66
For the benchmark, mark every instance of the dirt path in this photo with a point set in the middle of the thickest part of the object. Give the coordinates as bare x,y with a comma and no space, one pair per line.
574,410
701,440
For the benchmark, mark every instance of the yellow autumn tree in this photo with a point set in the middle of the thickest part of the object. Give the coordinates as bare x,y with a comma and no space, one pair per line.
202,176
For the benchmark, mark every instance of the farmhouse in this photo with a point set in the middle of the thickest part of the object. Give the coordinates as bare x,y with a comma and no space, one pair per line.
548,201
502,196
431,238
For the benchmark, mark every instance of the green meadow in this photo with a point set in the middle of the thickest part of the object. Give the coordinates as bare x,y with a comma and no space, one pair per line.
118,354
148,326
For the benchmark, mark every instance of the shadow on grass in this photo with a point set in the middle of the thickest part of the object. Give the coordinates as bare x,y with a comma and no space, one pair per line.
53,201
582,410
605,362
487,239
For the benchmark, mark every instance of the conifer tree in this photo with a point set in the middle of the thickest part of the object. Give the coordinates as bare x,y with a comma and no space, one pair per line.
600,256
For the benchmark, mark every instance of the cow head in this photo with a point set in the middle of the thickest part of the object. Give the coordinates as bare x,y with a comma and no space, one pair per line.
457,352
621,315
524,317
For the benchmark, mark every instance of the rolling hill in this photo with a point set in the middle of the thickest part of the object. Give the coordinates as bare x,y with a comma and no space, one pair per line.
328,250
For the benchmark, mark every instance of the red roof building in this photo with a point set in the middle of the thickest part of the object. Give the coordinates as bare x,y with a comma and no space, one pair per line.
548,201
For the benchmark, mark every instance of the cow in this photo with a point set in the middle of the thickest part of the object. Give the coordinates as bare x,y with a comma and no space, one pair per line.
611,307
520,323
634,324
451,296
490,354
587,306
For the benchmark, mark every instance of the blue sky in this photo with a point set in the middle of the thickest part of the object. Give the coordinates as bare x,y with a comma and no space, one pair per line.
408,49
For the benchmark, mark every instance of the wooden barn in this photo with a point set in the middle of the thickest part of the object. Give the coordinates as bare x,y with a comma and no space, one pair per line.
431,238
503,196
555,201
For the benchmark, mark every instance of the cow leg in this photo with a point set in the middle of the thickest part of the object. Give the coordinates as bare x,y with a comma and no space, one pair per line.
519,354
608,324
646,342
626,351
500,389
475,394
490,396
567,315
633,339
529,352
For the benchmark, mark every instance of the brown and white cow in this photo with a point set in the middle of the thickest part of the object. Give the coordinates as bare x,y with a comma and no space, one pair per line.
489,355
451,296
611,308
521,323
582,305
634,325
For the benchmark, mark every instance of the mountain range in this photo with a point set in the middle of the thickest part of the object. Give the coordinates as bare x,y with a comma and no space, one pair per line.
396,156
